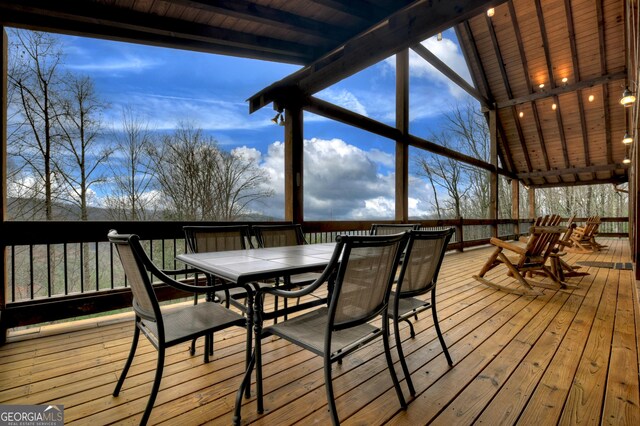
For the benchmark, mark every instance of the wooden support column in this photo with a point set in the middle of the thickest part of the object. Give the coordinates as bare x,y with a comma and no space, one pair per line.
3,176
532,203
402,147
515,205
293,165
493,181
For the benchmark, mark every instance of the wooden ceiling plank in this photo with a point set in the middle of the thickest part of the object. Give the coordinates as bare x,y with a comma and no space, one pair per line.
505,80
109,18
360,9
585,84
617,179
575,170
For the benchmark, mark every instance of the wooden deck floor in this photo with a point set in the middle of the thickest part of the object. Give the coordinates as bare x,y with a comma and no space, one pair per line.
565,357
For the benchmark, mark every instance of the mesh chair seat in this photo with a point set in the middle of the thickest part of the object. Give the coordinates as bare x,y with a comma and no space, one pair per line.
410,305
181,325
309,331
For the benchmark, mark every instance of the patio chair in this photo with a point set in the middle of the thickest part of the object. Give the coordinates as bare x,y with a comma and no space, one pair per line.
584,237
392,228
202,239
362,281
166,326
531,258
418,276
559,266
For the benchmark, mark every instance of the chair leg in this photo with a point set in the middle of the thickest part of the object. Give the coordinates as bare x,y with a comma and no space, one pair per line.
411,330
403,363
392,371
438,331
328,384
155,387
125,370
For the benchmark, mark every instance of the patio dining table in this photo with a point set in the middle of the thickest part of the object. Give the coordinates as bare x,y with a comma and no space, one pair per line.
244,267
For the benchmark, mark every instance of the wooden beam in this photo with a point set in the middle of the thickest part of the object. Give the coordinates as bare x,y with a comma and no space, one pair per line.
493,177
428,56
402,148
585,84
573,170
403,29
613,180
334,112
265,15
464,30
91,18
3,175
515,205
359,9
531,192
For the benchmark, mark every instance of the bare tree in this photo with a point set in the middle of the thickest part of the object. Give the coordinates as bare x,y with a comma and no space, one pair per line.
81,158
34,78
133,195
201,182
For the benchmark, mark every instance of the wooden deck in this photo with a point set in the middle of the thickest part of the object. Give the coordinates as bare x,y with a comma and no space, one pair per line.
565,357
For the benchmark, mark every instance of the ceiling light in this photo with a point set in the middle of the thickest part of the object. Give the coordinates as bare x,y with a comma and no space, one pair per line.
541,85
521,114
627,139
628,98
626,160
564,80
554,107
276,118
591,98
491,12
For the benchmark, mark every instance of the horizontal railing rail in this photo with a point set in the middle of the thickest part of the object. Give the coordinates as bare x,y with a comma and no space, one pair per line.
59,270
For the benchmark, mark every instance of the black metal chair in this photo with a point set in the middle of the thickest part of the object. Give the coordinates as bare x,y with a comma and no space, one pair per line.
167,326
362,279
419,275
392,228
202,239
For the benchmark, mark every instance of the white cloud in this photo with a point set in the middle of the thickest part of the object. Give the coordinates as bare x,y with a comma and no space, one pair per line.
343,98
126,63
343,182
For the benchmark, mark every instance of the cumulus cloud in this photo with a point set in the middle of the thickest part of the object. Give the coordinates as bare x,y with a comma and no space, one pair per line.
341,182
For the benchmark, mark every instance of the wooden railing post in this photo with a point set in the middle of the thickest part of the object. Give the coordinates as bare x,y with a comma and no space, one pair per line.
3,176
460,234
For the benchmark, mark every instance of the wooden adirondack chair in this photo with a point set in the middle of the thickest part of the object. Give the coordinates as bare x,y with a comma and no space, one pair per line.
584,238
558,265
543,240
547,220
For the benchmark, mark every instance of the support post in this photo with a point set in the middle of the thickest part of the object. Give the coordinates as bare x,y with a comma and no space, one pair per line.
532,203
402,147
293,165
515,206
493,181
3,176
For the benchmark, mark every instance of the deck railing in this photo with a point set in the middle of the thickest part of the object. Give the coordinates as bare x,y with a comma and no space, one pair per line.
58,270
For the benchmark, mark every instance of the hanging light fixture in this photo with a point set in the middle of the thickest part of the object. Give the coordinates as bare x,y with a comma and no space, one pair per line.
281,122
491,12
626,160
628,98
439,37
627,139
276,118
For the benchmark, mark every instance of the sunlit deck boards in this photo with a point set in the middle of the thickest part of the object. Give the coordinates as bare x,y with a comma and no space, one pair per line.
561,358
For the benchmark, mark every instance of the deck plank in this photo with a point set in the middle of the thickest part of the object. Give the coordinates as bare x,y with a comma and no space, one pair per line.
565,357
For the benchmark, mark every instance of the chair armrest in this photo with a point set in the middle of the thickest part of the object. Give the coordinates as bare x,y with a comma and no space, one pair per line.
507,246
181,271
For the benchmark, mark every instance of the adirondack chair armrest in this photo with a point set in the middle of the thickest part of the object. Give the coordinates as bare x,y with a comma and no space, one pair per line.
507,246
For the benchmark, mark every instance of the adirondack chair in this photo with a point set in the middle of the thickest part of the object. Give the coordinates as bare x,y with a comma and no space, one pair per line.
531,258
558,265
547,220
584,238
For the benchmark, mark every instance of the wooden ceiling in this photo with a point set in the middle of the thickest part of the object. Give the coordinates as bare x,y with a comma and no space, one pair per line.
576,50
526,43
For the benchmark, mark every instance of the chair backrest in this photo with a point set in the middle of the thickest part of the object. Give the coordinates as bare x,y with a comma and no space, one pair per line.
542,242
202,239
392,228
135,264
278,235
364,278
422,260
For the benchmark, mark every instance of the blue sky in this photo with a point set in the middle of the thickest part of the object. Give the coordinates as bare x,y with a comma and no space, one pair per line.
349,173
